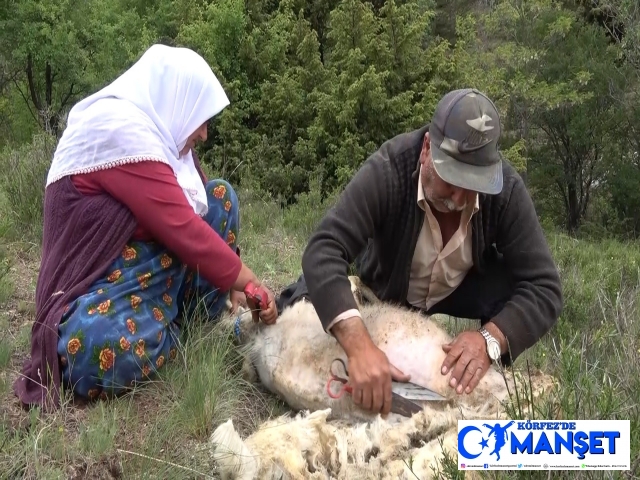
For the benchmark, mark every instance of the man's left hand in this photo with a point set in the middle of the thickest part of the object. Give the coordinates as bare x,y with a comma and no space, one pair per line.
467,356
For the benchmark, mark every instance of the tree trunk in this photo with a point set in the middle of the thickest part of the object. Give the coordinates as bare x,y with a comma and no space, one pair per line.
573,210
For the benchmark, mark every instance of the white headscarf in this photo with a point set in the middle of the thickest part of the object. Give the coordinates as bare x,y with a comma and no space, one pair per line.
145,114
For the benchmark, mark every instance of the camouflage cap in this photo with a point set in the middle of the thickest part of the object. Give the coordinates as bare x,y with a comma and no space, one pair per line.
464,136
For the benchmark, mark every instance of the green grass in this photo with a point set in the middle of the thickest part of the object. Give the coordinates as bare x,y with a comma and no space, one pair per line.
158,431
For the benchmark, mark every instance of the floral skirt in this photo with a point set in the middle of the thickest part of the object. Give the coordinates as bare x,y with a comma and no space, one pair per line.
125,327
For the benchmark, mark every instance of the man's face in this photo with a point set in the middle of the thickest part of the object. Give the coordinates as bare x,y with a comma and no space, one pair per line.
199,134
442,196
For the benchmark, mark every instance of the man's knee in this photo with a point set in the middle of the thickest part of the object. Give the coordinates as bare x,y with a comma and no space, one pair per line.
292,293
480,295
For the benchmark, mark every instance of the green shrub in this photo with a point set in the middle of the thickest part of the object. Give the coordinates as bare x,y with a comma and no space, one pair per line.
23,173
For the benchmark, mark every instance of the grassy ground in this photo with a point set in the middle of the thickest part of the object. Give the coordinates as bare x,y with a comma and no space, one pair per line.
157,431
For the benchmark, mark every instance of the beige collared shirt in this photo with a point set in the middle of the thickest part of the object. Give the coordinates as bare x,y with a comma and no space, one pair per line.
437,271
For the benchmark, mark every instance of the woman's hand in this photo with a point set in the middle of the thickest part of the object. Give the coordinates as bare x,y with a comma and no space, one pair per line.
237,298
269,315
261,303
247,281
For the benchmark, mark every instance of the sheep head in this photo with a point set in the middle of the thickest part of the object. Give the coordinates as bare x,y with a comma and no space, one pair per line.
241,323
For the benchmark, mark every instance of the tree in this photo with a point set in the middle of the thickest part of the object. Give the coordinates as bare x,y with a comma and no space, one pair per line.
552,71
59,51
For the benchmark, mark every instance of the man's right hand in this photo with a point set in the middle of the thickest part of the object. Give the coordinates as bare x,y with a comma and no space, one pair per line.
370,373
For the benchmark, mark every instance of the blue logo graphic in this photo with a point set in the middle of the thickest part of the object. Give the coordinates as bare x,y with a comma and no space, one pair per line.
532,444
500,435
498,432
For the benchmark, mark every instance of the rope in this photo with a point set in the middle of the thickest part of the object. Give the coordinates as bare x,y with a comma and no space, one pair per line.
236,327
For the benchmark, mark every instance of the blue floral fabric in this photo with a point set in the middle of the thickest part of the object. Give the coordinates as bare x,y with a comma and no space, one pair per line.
125,327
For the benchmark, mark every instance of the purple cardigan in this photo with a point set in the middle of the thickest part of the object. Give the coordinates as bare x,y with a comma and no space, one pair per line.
82,236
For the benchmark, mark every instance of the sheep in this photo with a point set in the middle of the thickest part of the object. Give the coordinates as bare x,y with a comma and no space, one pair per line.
334,438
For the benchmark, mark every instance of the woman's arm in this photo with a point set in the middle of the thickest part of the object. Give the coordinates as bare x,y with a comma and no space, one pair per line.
150,190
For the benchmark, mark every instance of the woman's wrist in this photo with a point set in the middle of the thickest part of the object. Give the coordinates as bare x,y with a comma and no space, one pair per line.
245,277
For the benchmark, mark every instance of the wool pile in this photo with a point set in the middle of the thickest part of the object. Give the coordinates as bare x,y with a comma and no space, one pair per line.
325,438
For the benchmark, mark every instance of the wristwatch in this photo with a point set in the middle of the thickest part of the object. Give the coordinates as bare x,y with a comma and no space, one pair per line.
493,347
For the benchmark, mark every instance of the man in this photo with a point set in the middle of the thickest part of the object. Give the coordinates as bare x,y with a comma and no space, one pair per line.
437,221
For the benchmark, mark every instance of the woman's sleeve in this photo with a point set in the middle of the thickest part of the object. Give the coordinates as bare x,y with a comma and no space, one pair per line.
157,201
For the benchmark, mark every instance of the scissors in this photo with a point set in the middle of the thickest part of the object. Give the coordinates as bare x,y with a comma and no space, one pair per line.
401,396
256,299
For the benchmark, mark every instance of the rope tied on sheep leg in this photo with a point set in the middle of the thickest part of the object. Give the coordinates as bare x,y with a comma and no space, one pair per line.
236,326
257,299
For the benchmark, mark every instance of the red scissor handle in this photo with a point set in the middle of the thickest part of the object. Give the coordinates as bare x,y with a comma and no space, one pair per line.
345,387
257,298
257,294
336,378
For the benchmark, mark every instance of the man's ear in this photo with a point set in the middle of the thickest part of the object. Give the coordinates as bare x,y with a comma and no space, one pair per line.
426,147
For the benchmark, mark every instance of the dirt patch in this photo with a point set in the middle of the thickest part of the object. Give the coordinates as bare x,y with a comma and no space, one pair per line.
109,468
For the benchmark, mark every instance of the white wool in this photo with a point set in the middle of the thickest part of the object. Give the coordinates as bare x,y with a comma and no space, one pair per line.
233,456
309,445
335,438
147,113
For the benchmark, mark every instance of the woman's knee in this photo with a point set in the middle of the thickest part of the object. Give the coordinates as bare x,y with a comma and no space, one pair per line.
223,214
219,190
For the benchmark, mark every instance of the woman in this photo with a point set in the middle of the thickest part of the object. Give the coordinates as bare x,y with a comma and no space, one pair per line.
134,235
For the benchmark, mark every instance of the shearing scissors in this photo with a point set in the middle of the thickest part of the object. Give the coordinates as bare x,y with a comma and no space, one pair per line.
402,393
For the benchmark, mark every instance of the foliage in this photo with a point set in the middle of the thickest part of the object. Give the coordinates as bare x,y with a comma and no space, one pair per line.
58,51
23,173
317,86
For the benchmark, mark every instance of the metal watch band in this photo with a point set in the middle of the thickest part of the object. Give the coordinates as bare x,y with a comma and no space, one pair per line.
489,340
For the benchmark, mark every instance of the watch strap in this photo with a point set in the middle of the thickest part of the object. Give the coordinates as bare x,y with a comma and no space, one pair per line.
489,339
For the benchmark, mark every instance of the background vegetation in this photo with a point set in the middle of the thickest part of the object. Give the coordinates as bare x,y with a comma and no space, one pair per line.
315,87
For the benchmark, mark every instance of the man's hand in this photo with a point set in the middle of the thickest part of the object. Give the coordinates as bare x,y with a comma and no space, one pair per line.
370,372
467,356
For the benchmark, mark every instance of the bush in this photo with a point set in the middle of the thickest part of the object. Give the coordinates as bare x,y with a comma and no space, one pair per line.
23,174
